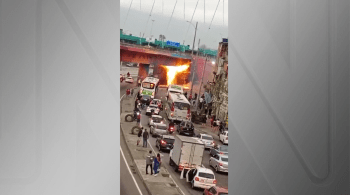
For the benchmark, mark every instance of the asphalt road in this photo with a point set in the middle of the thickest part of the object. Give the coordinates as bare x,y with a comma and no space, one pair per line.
222,178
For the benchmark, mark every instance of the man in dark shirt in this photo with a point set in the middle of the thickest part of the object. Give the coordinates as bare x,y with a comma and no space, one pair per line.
145,138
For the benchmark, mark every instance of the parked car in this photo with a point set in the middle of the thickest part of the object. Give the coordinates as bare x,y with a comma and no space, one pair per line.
165,142
223,149
223,137
216,190
155,119
208,140
129,80
185,128
219,163
129,64
145,99
201,177
159,129
152,109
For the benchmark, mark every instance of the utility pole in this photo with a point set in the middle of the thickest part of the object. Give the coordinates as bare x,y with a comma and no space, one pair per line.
194,40
199,93
194,68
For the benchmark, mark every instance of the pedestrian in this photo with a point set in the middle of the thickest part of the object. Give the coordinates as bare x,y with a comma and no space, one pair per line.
211,123
139,136
132,91
209,108
145,138
136,103
155,166
160,161
138,122
128,92
128,74
185,94
149,161
195,96
190,98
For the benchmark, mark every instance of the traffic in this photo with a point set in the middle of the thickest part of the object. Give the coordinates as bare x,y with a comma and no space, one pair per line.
197,159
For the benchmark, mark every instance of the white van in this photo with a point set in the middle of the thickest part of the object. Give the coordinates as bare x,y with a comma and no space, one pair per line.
178,108
175,89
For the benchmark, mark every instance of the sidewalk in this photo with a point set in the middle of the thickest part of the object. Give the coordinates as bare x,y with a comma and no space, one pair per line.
156,185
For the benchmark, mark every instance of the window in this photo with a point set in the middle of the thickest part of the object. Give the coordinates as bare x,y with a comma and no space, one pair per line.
223,193
156,120
207,137
224,148
225,159
161,127
147,85
169,141
181,106
206,175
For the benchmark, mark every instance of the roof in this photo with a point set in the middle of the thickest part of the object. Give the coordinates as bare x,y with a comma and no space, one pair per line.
157,116
188,139
160,124
176,87
205,134
205,170
156,100
168,137
178,98
151,80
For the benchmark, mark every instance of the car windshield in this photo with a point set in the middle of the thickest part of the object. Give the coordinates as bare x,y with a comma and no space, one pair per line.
206,175
207,137
146,97
161,127
156,119
224,148
176,92
181,106
147,85
153,106
169,141
129,77
225,159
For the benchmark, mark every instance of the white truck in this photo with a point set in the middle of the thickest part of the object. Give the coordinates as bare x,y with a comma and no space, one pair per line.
186,154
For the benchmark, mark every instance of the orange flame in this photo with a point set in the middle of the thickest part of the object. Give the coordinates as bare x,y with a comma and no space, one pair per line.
172,71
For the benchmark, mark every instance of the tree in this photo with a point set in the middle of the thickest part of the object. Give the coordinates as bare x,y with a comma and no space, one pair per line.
203,46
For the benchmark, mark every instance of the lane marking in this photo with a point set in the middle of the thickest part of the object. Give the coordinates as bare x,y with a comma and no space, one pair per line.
121,150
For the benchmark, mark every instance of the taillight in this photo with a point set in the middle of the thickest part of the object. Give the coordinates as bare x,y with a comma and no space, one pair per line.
172,107
163,142
221,153
220,164
172,114
197,179
214,182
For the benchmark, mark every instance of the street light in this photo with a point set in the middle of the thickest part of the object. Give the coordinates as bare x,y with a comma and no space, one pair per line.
213,62
195,32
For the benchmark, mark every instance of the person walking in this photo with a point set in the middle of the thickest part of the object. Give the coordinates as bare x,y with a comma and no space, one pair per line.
132,91
160,161
138,121
128,92
145,138
139,136
149,161
155,166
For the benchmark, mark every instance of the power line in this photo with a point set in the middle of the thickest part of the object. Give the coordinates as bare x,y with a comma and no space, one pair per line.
127,14
204,11
171,16
214,14
148,18
223,12
191,20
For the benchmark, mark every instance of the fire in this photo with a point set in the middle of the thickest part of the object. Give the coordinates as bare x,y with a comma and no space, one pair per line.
173,70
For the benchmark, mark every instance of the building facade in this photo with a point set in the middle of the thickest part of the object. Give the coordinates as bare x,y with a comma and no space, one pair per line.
219,88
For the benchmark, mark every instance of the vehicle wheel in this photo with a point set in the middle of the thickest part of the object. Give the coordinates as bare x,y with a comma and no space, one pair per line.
135,130
129,118
216,169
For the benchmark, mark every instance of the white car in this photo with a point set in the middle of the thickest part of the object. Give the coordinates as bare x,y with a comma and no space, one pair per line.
201,177
155,119
219,163
154,108
207,140
223,137
159,129
129,80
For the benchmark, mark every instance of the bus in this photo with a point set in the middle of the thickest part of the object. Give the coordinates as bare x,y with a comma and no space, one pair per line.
178,108
149,86
174,89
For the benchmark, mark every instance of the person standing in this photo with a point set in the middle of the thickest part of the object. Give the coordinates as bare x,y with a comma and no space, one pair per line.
155,166
149,160
128,74
139,136
132,91
159,160
138,122
145,138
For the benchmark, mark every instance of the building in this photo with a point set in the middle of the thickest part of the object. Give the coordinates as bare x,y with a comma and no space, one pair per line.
219,87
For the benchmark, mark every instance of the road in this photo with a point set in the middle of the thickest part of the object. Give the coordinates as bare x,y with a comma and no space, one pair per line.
222,178
128,185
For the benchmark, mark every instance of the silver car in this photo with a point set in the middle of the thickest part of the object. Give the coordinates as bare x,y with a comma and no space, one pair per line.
219,163
159,129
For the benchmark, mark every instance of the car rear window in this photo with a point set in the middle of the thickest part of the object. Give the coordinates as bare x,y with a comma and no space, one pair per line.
161,127
223,193
181,106
224,148
156,119
206,175
169,141
224,159
207,137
